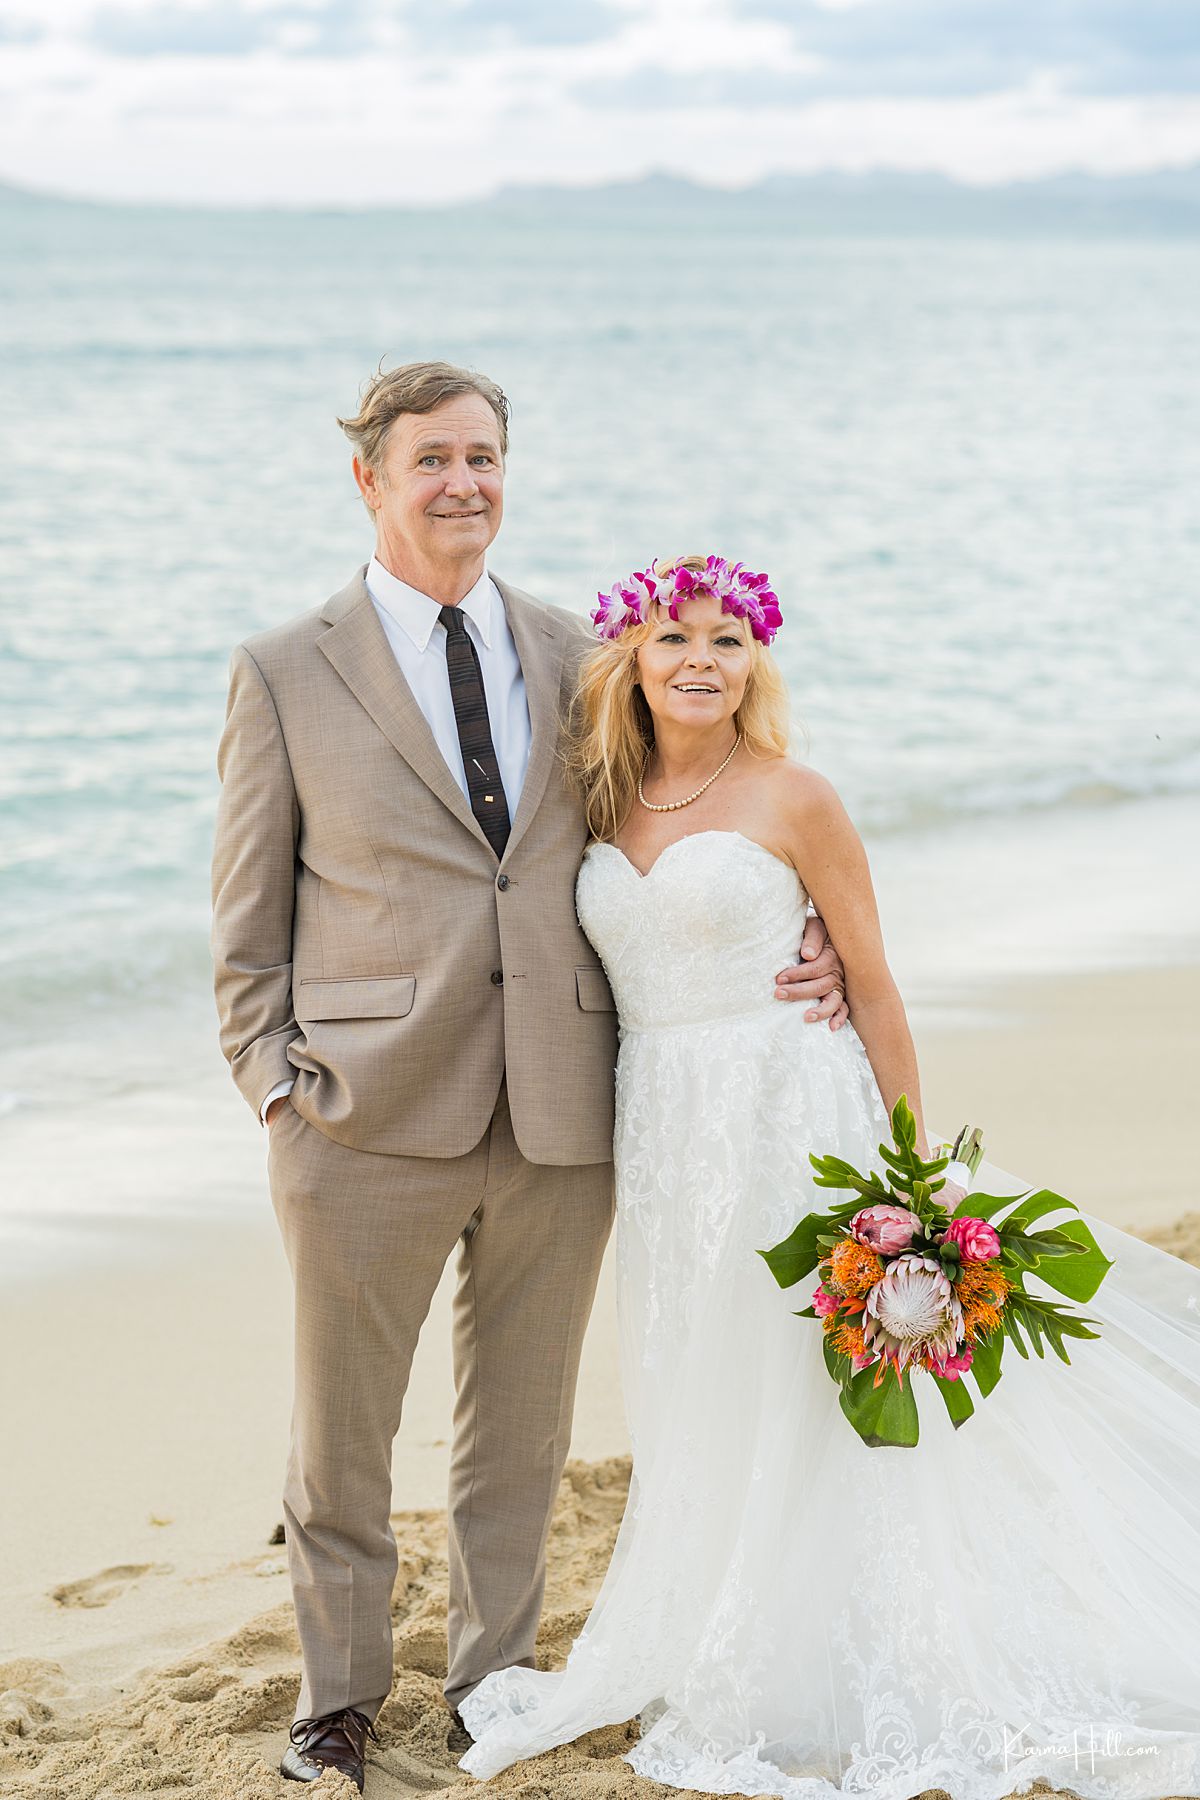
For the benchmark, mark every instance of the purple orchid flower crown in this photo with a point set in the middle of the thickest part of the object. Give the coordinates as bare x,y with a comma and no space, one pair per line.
742,593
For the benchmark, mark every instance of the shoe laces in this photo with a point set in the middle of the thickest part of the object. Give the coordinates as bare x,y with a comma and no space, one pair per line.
348,1720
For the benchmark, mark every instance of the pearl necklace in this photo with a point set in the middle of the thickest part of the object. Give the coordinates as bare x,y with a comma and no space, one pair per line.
674,805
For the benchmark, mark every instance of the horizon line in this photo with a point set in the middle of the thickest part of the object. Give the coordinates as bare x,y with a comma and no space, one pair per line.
881,174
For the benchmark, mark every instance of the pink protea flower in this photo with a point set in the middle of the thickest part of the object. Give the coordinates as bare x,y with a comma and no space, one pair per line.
914,1309
976,1239
824,1303
887,1229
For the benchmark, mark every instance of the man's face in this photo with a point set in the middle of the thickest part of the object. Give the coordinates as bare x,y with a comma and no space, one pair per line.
439,498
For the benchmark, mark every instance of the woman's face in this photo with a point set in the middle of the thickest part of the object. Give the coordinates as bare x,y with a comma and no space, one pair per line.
694,672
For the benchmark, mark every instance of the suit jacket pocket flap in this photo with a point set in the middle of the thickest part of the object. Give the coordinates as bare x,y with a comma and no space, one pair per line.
595,995
371,997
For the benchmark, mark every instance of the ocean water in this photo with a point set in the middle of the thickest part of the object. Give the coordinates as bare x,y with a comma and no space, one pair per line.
972,468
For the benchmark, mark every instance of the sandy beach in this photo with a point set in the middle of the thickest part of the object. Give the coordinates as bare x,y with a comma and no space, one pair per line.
146,1642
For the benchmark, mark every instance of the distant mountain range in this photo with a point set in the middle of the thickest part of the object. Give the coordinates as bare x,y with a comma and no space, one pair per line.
1163,202
879,200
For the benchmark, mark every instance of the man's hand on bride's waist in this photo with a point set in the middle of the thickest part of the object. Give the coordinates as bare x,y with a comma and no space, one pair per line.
817,978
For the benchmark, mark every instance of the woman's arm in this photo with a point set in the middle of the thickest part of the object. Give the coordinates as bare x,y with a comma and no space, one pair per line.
828,853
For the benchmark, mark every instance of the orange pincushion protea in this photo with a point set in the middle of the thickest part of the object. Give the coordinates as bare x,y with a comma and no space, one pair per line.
846,1335
852,1269
982,1289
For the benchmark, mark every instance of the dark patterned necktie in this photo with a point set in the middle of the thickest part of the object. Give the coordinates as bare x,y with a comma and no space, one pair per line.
484,786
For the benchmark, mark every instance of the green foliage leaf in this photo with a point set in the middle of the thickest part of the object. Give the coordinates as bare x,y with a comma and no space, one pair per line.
906,1171
904,1125
832,1172
883,1415
959,1403
985,1363
839,1366
798,1254
868,1187
1029,1208
1012,1330
1044,1243
1044,1318
839,1217
1079,1277
1018,1252
982,1206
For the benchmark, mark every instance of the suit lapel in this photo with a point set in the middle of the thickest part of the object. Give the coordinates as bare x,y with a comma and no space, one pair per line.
357,647
541,647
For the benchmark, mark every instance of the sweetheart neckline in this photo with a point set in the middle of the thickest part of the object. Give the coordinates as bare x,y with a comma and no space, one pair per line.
687,838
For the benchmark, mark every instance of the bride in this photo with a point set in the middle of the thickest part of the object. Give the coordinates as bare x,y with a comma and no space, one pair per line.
790,1612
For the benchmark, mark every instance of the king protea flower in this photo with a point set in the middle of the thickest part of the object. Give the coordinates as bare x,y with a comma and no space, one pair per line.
913,1309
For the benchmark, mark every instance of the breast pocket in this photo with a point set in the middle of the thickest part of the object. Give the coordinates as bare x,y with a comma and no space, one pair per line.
595,995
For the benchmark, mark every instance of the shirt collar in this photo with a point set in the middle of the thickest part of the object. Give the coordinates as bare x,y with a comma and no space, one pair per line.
416,614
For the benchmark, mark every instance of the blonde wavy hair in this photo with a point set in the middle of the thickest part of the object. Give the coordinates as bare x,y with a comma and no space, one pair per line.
610,730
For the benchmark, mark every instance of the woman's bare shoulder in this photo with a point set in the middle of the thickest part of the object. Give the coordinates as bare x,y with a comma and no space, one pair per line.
800,790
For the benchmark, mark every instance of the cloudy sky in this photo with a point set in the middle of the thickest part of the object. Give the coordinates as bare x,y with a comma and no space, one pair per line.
345,101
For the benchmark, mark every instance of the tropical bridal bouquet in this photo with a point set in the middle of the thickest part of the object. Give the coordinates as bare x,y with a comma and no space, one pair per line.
916,1273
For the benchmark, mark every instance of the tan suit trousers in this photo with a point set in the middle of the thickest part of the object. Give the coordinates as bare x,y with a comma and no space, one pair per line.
367,1237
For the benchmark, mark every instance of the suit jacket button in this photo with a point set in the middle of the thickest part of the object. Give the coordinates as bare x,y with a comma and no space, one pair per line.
497,977
502,883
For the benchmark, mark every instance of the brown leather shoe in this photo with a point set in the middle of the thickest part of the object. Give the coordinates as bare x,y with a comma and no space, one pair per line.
335,1741
458,1738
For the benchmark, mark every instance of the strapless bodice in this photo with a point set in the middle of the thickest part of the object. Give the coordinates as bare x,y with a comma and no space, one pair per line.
700,937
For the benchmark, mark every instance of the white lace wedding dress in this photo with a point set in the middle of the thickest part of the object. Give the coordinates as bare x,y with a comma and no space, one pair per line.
790,1612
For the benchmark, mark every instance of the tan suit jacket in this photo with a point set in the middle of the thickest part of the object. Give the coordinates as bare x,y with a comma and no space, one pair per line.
366,941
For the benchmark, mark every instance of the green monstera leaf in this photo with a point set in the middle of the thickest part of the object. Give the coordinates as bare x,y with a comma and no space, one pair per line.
1066,1255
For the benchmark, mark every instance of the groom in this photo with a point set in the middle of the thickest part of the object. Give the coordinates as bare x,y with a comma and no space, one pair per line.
407,1000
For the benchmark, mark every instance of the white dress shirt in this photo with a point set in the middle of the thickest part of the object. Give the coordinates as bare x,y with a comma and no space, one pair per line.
417,636
418,639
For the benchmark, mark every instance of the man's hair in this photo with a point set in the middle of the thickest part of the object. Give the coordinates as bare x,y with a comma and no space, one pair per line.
415,388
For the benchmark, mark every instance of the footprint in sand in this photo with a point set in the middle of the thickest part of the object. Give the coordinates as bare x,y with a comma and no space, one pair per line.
108,1585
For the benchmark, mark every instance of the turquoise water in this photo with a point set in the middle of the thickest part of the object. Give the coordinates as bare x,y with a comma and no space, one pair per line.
972,468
